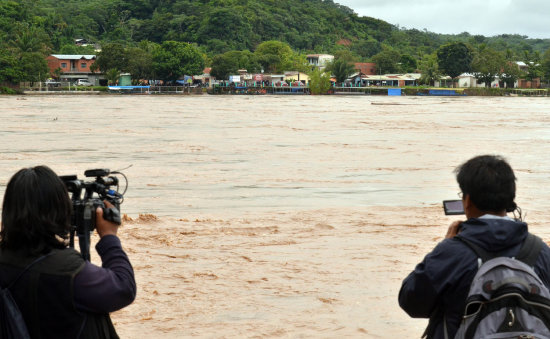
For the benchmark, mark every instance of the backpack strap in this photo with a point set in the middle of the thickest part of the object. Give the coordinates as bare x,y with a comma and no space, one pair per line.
528,253
530,250
480,252
10,285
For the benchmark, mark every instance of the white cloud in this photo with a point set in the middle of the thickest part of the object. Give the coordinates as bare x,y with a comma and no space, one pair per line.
487,17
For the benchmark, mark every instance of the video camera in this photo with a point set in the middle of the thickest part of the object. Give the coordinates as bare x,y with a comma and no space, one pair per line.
86,197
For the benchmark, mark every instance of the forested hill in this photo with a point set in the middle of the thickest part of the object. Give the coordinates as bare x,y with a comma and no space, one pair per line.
217,26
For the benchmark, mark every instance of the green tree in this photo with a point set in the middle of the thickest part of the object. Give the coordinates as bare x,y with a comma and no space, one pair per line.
11,12
229,63
534,68
454,59
140,63
298,62
510,74
223,66
174,59
387,61
275,56
319,82
34,67
341,69
30,39
10,70
71,48
217,46
487,64
112,56
57,72
112,75
227,24
366,48
29,47
545,65
407,64
509,55
429,70
313,26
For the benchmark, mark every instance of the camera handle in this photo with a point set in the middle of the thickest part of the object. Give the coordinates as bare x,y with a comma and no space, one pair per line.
84,238
112,214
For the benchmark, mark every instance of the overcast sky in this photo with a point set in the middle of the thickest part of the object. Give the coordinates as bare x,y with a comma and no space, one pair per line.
486,17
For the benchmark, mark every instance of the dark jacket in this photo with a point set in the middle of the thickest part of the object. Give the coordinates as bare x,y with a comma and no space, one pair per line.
438,286
62,296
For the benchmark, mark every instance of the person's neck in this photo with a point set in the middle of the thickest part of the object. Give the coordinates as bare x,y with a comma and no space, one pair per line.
478,213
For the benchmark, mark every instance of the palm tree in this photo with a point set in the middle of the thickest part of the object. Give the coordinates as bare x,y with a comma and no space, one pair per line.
429,69
341,69
30,40
112,75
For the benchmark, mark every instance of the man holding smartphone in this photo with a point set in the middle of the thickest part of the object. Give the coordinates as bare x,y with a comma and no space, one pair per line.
438,287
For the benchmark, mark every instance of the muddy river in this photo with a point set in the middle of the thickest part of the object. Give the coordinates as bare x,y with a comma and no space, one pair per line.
278,216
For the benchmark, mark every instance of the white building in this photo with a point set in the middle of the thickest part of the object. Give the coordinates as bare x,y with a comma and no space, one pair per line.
465,80
319,60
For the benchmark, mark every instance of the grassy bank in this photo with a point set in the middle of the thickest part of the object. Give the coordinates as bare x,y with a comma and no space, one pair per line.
11,91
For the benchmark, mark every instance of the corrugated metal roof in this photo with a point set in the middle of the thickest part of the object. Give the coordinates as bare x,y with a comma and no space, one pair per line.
319,55
74,56
410,76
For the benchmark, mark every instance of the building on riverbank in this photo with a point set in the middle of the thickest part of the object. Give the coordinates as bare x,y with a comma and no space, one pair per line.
320,61
367,68
389,80
71,67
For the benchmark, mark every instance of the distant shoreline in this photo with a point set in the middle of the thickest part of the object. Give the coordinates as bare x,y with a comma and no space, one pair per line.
299,91
365,91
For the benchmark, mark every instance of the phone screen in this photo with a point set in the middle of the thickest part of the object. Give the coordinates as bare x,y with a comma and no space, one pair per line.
453,207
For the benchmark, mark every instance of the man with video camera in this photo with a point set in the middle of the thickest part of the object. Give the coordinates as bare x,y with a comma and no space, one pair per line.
59,294
439,286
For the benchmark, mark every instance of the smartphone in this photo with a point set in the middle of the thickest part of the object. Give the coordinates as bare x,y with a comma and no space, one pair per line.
453,207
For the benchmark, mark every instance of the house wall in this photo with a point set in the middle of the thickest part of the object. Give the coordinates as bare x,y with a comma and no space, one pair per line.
325,59
69,65
53,64
319,60
470,81
297,77
367,68
522,83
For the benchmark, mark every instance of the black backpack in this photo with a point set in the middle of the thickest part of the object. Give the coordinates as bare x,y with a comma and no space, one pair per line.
12,324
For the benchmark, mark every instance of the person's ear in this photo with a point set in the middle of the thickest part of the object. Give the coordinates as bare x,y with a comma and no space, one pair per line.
466,200
467,203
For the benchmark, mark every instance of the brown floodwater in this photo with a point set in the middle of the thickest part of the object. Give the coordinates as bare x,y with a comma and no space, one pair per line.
278,216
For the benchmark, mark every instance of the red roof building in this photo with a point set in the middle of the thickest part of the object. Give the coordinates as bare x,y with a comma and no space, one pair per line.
72,67
367,68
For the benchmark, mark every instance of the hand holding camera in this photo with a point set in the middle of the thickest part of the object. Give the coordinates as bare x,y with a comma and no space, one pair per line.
107,219
96,204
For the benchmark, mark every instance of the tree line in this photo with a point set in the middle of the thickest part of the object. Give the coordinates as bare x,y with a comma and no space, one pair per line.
485,63
231,34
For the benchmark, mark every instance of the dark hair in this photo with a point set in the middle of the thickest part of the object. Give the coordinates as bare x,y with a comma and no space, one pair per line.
489,181
36,212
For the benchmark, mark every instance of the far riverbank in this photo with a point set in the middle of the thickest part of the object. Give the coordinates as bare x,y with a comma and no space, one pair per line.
283,90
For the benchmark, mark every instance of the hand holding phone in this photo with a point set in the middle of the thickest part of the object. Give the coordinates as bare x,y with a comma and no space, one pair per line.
453,229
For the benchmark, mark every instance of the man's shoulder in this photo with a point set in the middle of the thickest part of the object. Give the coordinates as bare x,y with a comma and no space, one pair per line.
544,254
452,245
62,261
451,253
